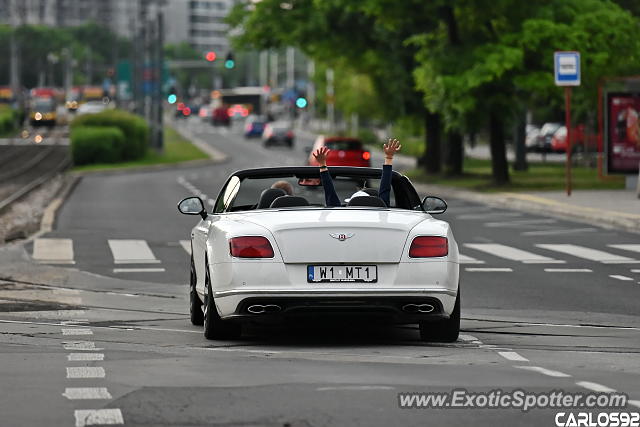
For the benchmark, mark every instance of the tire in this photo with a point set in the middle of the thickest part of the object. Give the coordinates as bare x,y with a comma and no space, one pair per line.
444,330
195,305
214,327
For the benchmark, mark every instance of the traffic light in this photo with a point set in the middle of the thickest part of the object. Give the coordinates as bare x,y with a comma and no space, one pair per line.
229,63
172,97
210,56
301,102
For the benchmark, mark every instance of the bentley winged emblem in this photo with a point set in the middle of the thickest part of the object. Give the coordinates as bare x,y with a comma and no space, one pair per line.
341,236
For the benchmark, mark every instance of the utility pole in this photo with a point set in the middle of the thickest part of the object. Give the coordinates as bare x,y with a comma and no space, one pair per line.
291,67
311,89
16,86
331,112
274,70
263,75
68,72
157,89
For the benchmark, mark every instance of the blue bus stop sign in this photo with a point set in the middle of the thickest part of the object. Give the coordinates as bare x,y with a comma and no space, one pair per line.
567,68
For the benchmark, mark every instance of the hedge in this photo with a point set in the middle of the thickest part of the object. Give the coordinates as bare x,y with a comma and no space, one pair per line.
97,144
8,119
134,128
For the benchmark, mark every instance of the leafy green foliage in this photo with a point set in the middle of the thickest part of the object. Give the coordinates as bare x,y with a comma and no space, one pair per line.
96,144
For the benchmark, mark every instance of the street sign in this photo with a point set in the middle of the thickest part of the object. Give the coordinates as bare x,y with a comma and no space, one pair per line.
567,68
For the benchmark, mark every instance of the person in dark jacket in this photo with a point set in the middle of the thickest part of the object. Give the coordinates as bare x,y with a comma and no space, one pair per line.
330,195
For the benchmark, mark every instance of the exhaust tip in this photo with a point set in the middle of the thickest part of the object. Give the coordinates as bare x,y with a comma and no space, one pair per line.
261,309
418,308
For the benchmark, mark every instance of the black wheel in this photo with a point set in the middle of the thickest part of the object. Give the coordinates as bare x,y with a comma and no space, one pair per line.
195,305
443,330
214,327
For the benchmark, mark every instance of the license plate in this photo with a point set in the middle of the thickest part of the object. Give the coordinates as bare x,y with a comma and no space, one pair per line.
342,273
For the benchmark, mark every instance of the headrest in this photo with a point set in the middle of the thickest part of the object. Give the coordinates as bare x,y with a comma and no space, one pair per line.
289,201
268,196
366,201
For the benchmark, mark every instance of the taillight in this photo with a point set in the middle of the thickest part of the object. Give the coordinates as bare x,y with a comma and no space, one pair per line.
428,246
250,247
366,155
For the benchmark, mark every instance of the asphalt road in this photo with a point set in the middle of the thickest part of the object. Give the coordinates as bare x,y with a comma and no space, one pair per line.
94,342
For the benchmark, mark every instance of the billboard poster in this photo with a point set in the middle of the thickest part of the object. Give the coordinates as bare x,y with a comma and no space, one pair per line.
622,137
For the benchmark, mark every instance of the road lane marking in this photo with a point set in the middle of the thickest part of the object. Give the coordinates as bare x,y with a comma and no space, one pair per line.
139,270
568,270
512,254
635,403
598,388
485,215
554,232
76,331
617,276
92,417
126,251
84,393
588,253
544,371
81,345
85,357
519,222
186,245
635,270
53,251
489,270
462,337
627,247
464,259
356,388
85,372
513,356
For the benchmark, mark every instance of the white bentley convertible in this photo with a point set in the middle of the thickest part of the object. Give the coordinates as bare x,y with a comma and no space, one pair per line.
264,255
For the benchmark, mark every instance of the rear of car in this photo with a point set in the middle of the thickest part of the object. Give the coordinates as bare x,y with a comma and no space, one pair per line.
254,127
344,152
546,136
220,117
278,133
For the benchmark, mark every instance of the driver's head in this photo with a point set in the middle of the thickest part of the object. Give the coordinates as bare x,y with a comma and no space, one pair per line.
284,185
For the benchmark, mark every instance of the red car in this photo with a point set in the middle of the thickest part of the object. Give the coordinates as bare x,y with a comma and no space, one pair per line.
220,117
580,140
344,152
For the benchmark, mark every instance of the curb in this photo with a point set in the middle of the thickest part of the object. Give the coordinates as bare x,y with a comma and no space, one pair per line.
541,205
49,215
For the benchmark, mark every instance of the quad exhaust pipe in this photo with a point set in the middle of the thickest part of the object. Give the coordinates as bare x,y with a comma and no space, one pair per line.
261,309
418,308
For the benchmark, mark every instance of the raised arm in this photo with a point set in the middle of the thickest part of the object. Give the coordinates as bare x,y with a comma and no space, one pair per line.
390,148
330,196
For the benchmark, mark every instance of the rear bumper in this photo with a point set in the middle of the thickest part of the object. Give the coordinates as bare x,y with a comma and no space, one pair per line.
388,304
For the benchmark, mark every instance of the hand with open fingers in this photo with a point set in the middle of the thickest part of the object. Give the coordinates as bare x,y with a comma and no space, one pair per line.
391,147
321,155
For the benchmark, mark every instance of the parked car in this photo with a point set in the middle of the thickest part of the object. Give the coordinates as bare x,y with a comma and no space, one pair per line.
580,140
293,258
532,137
254,126
204,113
278,133
546,135
220,117
344,151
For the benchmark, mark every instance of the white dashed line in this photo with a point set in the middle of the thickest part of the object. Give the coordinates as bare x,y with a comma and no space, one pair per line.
138,270
467,338
513,356
85,372
81,345
356,388
464,259
617,276
635,270
554,232
85,393
544,371
489,270
84,357
76,331
598,388
635,403
92,417
568,270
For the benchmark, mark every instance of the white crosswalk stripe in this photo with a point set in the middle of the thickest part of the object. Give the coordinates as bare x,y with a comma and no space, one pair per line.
512,254
53,251
588,253
464,259
186,245
627,247
131,252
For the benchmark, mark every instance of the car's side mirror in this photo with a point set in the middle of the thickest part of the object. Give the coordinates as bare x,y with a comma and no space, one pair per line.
433,205
192,206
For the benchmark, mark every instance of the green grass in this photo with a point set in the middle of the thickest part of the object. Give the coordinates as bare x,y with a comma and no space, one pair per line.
539,177
176,149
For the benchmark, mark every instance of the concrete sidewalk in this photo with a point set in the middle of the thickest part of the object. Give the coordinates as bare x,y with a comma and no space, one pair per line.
606,208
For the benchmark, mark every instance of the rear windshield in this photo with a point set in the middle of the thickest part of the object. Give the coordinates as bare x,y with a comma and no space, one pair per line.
342,144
